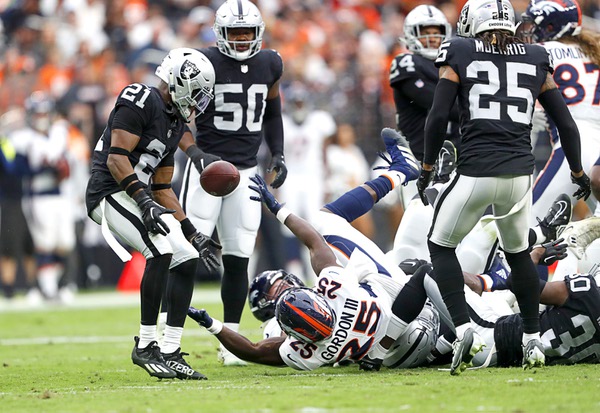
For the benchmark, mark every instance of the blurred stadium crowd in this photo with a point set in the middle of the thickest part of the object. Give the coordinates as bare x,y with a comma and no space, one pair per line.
83,52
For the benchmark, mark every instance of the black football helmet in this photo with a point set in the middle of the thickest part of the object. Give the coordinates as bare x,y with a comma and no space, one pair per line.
304,314
262,304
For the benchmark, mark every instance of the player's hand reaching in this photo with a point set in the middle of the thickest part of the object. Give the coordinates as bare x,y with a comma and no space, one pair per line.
151,212
200,316
201,242
278,165
200,158
425,178
554,251
264,195
583,182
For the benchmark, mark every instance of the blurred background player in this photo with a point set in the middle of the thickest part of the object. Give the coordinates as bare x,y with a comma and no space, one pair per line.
247,105
129,192
306,132
413,78
51,221
495,163
16,244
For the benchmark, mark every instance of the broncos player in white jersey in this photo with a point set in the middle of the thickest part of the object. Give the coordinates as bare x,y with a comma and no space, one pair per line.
556,25
347,313
130,194
52,224
497,79
247,106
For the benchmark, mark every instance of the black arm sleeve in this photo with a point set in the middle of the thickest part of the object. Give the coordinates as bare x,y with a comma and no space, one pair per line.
437,119
273,126
555,106
422,96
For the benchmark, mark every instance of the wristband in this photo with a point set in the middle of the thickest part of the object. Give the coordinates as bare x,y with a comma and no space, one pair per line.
216,327
188,229
132,189
118,151
127,180
282,214
160,187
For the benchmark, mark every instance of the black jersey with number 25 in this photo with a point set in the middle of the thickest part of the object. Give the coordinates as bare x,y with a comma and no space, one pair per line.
232,123
159,127
496,99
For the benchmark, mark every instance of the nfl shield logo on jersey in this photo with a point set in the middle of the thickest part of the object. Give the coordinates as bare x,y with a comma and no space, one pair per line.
244,68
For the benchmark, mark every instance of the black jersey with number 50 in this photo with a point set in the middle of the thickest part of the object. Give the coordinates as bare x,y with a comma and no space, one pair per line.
570,333
496,98
160,129
231,126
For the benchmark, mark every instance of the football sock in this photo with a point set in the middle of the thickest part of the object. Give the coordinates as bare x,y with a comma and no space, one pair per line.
233,326
353,203
171,340
410,300
526,287
536,236
147,335
383,184
180,287
449,278
528,337
460,330
234,287
151,288
48,279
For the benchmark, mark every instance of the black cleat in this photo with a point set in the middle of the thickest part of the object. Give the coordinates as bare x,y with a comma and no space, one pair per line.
183,370
558,215
150,359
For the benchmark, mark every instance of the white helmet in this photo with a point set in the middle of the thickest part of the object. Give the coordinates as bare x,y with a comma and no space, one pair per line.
235,14
415,344
478,16
191,82
164,70
423,16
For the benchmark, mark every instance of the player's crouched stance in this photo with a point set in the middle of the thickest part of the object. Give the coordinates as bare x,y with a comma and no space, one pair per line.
129,193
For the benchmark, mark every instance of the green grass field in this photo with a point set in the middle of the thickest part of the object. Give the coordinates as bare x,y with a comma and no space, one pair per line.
77,359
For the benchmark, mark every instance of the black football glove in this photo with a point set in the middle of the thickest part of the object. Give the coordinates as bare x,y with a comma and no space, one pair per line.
151,212
554,251
200,158
583,182
265,196
425,178
278,165
200,316
201,242
369,364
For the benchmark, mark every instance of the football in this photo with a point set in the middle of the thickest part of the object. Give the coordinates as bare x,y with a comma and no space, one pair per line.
220,178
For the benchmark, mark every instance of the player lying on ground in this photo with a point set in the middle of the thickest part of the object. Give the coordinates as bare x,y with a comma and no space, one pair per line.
353,302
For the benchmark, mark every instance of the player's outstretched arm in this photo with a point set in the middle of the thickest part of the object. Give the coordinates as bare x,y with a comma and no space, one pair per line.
552,101
264,352
321,255
199,158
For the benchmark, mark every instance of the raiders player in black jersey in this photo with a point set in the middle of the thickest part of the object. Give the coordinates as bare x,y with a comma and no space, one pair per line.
497,80
246,106
413,76
129,192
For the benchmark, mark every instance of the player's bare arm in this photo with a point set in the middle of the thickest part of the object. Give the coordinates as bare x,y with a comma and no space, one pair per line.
263,352
186,141
118,164
166,196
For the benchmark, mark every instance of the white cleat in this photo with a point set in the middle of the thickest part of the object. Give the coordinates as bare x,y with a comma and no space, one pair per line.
533,354
228,358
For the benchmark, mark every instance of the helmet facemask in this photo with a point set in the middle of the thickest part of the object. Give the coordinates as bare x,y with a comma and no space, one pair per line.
237,15
190,85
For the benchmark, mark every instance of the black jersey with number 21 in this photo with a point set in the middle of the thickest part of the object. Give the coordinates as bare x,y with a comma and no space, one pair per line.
496,99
